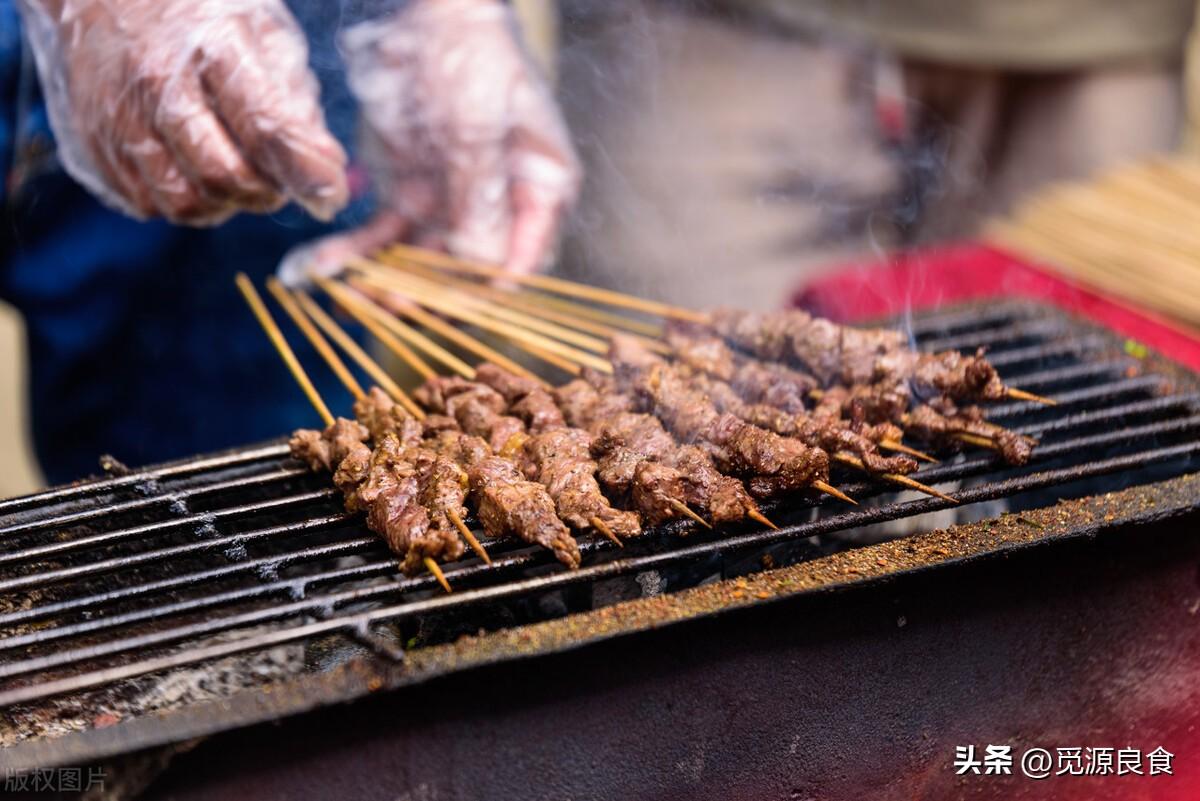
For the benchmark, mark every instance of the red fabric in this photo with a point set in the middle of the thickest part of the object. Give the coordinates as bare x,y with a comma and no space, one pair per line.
970,272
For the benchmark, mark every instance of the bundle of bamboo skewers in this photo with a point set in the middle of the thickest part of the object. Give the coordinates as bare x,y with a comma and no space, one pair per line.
1127,234
409,299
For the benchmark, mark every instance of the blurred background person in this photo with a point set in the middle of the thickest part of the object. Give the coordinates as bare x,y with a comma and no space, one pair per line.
735,148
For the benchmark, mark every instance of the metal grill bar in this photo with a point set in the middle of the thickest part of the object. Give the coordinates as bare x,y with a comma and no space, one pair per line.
188,468
141,504
1053,350
163,554
1019,332
177,583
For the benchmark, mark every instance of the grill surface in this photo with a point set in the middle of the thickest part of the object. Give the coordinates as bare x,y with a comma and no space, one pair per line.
117,593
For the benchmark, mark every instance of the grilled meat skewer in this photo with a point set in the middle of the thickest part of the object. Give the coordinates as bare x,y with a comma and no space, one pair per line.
771,383
559,456
508,505
771,464
832,436
639,456
391,483
836,354
937,422
864,412
556,457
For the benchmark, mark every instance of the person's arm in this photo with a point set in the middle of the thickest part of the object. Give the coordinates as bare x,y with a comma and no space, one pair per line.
186,109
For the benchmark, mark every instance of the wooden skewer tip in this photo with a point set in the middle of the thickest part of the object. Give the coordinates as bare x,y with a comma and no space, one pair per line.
759,517
1020,394
829,489
603,528
902,448
468,535
896,478
686,511
436,570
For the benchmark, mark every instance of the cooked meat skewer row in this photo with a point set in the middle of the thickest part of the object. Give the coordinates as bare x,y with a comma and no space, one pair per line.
705,359
832,436
940,421
637,455
758,383
400,486
653,490
872,411
509,504
341,441
836,354
555,455
771,464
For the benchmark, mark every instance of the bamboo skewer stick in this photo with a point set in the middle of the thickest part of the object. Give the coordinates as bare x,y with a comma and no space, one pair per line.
355,352
540,299
436,569
515,300
416,338
561,286
887,444
500,312
254,300
469,536
315,337
829,489
406,282
1020,394
895,478
686,511
446,304
759,517
339,367
608,533
452,334
532,299
350,304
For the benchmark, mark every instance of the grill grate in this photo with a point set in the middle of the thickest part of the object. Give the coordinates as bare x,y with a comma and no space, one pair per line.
119,580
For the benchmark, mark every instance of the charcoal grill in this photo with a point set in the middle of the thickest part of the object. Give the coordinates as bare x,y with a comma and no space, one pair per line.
146,609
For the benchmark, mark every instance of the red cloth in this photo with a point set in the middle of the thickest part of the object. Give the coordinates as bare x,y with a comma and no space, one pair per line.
959,273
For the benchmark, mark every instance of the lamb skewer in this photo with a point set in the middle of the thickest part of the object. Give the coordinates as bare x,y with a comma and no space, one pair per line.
850,356
637,455
869,411
549,452
509,503
758,383
771,464
393,513
939,421
654,492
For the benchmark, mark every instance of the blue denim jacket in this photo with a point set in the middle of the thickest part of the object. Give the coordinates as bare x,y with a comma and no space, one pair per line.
139,345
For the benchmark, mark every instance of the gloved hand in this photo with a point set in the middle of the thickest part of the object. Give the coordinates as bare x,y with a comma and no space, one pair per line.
188,109
461,134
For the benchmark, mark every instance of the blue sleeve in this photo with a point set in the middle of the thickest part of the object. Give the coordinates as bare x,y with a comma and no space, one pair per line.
10,69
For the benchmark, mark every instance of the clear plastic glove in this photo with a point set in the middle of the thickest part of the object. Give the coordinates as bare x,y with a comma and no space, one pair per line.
186,109
461,134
